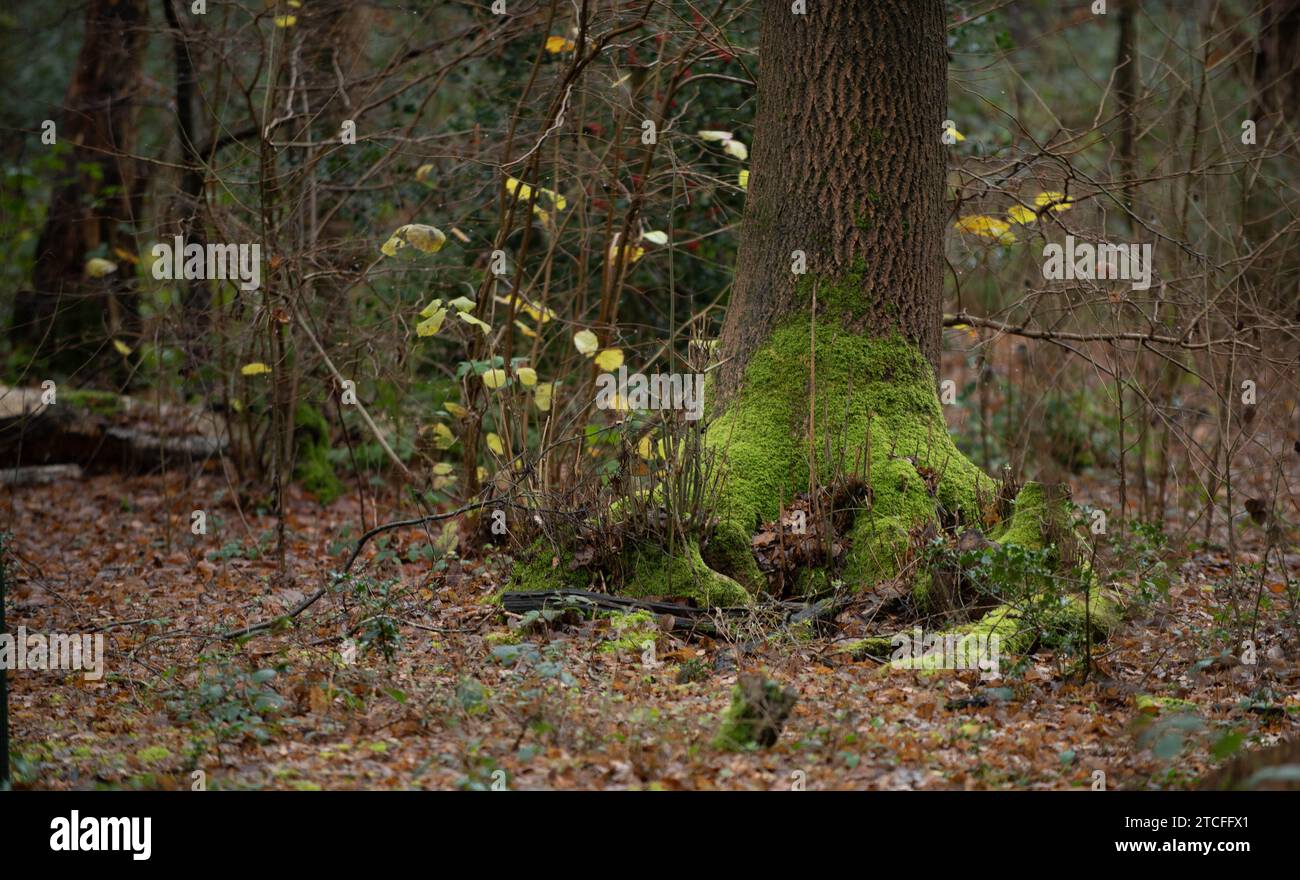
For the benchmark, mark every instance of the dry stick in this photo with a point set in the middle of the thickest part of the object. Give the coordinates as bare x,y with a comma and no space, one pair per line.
379,436
356,551
1054,335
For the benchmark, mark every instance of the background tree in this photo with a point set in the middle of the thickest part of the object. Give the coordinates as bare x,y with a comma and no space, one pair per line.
95,207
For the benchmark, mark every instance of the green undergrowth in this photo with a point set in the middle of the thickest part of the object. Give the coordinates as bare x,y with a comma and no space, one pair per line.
312,467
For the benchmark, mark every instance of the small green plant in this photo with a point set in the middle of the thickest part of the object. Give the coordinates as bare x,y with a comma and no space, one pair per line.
1141,555
378,628
229,702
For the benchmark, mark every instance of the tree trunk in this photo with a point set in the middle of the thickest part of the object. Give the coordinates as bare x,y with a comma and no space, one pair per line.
95,207
848,167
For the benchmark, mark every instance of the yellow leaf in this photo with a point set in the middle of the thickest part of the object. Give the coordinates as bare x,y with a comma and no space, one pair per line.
517,187
494,443
1021,214
286,21
124,254
956,135
418,235
524,192
1055,199
610,359
432,325
422,173
736,149
527,376
586,342
538,313
742,179
98,267
442,469
655,237
494,379
556,44
631,253
645,448
542,397
482,473
526,330
443,438
462,304
713,135
254,369
470,319
982,224
455,409
431,309
122,348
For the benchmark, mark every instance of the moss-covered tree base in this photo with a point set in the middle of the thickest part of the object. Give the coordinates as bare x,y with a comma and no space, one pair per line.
877,416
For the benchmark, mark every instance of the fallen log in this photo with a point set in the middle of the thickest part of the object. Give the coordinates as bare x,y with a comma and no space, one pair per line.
100,430
683,617
39,475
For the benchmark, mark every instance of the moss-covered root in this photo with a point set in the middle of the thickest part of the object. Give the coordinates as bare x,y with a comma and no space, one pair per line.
758,710
1039,518
730,551
649,572
982,645
1031,517
655,572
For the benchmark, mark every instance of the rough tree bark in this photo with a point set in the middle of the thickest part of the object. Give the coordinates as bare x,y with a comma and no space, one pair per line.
848,167
96,206
849,171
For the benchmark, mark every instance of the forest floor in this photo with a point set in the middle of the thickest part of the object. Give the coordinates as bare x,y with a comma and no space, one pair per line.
463,694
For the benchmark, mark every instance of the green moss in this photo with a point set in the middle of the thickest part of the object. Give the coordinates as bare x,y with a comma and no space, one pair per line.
313,468
502,637
539,568
861,649
653,572
632,630
756,715
1025,528
1158,705
878,546
875,400
729,550
153,754
812,581
1102,610
101,403
650,571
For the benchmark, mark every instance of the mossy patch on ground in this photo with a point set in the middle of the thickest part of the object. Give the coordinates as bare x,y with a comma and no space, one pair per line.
756,715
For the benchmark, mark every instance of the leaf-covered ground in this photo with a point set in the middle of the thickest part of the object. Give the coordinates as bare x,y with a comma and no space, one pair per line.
466,698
